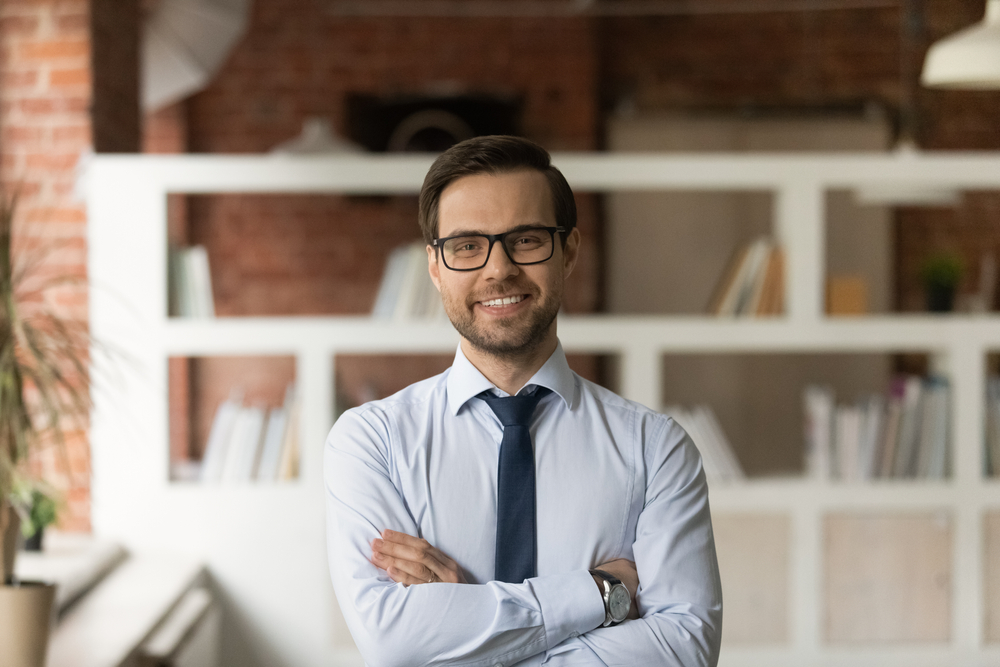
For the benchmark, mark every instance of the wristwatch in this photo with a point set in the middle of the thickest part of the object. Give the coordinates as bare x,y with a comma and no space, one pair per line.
617,600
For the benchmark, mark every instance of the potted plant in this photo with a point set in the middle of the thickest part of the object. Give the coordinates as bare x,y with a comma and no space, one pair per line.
35,503
941,274
43,394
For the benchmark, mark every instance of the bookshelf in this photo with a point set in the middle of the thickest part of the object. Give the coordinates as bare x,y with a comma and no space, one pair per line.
265,544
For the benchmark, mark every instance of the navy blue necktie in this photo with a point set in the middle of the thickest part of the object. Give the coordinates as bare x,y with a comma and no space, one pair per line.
516,535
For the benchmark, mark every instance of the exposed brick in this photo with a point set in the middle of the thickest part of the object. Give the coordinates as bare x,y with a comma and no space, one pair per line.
54,49
19,80
15,25
52,161
78,135
75,77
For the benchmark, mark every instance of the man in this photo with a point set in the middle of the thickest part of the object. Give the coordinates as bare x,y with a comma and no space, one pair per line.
447,543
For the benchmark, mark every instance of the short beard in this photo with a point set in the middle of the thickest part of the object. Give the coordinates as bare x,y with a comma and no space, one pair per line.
520,341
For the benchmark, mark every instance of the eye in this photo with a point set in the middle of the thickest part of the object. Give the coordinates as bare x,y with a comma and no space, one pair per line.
529,239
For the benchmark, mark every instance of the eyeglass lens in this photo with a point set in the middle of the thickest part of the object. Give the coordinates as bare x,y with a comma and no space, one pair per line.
523,247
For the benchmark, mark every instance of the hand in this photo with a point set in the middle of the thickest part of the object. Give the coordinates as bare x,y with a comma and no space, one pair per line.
625,571
411,560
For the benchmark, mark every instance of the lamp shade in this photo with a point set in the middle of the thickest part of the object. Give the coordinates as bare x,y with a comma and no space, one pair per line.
968,59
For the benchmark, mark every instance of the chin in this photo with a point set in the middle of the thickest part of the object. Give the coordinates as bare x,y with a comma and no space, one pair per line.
507,338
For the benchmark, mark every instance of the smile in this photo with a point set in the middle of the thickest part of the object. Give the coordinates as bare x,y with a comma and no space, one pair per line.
504,301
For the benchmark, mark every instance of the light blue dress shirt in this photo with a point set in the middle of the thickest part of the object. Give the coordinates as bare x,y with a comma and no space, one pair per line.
614,480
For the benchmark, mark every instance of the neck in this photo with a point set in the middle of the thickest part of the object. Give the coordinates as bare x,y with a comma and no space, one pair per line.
510,372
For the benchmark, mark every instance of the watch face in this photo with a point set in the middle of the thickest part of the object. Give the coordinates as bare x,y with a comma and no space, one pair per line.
619,602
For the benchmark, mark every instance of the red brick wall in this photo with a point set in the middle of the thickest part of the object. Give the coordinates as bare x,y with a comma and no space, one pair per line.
815,61
44,126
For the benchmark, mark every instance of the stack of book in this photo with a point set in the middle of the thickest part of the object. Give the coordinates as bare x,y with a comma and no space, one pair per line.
717,456
753,284
406,291
993,425
190,283
252,443
903,434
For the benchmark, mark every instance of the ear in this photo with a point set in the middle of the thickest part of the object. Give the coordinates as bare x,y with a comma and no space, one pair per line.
571,252
433,267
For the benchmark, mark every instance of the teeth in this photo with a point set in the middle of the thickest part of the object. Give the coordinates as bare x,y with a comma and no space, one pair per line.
506,301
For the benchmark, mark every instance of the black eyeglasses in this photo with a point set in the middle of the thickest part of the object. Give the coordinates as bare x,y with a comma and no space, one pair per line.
527,245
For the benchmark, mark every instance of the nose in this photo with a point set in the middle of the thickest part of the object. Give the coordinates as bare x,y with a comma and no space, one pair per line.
498,265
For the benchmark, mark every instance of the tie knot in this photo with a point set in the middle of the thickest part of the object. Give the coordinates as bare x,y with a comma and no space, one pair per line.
514,410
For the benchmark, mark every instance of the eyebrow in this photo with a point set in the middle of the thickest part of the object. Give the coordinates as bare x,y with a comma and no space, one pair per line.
477,232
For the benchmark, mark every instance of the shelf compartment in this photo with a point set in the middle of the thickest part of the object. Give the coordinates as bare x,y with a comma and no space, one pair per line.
758,401
243,407
887,577
991,577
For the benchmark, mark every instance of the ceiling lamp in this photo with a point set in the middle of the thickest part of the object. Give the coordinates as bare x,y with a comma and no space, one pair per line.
968,59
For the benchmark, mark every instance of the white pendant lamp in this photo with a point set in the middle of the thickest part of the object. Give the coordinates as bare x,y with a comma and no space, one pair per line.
970,58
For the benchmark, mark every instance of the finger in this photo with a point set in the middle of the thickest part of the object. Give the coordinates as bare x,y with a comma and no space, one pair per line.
416,549
401,577
423,554
404,571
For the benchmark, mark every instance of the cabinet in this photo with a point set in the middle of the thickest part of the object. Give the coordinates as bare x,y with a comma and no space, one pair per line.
265,544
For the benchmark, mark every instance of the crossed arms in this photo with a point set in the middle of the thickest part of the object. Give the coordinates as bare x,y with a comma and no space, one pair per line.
555,617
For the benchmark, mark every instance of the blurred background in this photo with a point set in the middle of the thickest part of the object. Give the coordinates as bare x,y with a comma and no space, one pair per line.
672,77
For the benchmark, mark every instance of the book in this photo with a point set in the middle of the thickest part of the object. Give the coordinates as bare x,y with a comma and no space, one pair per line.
288,465
190,283
219,437
407,291
818,408
392,279
772,300
200,282
993,425
904,464
890,434
718,459
725,285
933,456
870,435
243,443
274,437
752,283
846,428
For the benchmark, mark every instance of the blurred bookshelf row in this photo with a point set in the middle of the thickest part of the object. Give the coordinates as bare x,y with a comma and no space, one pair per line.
901,432
752,285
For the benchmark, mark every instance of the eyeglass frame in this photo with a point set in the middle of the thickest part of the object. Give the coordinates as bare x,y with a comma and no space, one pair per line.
438,245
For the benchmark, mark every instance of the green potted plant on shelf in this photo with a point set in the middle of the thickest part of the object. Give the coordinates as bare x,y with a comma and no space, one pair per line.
43,395
941,274
36,505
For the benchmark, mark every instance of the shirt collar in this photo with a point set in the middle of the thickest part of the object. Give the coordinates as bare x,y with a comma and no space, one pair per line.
465,381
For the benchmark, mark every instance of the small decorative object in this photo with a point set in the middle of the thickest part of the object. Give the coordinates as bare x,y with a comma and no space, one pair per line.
941,274
43,395
35,504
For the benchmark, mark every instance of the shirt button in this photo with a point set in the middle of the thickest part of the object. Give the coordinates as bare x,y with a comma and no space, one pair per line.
574,634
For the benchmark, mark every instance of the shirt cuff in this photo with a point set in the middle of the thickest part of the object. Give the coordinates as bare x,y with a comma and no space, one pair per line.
571,604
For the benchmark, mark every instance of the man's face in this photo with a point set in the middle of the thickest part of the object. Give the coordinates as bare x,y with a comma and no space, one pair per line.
488,204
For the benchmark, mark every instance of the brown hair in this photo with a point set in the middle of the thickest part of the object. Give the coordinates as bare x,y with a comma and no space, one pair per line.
492,155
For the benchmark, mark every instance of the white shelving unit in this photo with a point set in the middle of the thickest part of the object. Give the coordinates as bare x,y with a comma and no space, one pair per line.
265,544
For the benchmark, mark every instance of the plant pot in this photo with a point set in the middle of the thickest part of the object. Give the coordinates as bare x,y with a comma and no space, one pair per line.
940,298
34,543
10,535
26,612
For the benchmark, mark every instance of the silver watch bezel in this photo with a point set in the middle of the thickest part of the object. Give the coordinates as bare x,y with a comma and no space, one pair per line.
612,583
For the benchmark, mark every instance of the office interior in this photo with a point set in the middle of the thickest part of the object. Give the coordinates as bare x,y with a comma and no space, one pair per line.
768,191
